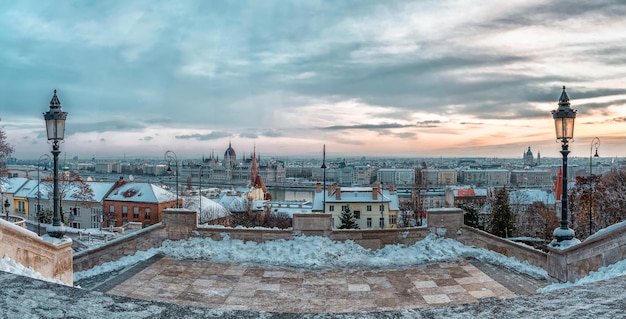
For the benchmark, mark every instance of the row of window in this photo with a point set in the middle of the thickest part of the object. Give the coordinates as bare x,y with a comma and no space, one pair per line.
381,221
368,208
146,212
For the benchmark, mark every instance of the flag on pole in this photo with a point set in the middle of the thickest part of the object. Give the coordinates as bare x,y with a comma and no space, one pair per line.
558,185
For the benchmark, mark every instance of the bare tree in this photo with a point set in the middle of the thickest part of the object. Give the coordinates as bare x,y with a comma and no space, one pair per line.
609,198
277,220
67,181
5,151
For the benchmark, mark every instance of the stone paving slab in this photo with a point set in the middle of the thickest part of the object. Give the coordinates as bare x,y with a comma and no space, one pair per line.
254,288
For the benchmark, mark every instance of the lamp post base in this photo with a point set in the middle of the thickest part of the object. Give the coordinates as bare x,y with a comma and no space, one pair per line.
563,238
56,231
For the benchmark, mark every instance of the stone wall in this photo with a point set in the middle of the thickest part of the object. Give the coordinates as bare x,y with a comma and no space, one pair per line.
563,265
577,261
475,237
448,222
149,237
51,258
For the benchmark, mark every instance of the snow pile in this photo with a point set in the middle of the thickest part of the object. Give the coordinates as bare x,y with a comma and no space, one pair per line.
611,271
123,262
9,265
319,253
607,230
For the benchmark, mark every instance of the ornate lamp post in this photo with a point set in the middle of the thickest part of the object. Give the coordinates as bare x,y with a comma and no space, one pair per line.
200,191
595,143
564,124
324,189
169,156
47,158
6,208
382,207
55,129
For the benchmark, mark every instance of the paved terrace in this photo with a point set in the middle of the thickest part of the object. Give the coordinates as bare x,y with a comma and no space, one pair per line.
23,297
287,290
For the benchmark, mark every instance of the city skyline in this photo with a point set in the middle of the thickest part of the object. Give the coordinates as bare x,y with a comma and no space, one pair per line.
404,79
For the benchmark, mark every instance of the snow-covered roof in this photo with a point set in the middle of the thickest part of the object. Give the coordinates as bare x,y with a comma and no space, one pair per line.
469,192
210,209
234,203
28,188
141,193
12,185
529,196
290,208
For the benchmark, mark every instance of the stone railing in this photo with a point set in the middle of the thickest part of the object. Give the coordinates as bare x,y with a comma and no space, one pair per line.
563,265
308,225
50,257
599,251
478,238
149,237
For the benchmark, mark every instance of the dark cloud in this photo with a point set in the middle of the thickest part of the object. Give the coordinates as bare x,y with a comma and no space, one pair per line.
146,138
249,135
204,137
430,123
73,127
272,133
373,127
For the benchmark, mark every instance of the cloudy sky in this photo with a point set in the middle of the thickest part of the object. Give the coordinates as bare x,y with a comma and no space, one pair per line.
402,78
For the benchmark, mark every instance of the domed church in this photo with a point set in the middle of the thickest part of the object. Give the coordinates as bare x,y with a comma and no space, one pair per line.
230,157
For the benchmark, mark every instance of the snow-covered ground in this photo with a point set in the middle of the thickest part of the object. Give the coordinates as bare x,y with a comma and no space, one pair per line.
318,253
322,253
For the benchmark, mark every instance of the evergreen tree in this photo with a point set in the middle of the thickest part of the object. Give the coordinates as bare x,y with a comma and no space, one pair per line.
347,219
502,222
470,215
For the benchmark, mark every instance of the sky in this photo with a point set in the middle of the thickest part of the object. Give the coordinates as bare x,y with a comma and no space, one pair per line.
365,78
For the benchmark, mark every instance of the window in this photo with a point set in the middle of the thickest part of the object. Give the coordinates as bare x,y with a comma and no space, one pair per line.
147,212
344,208
357,214
381,222
331,208
392,220
369,222
369,208
135,212
111,209
124,211
382,207
76,225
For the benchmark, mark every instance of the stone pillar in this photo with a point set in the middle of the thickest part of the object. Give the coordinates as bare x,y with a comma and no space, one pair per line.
312,224
179,223
52,258
444,222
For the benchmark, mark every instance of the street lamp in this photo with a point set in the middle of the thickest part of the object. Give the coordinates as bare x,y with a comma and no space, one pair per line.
200,192
324,189
47,158
382,207
169,156
6,208
55,129
564,124
595,143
